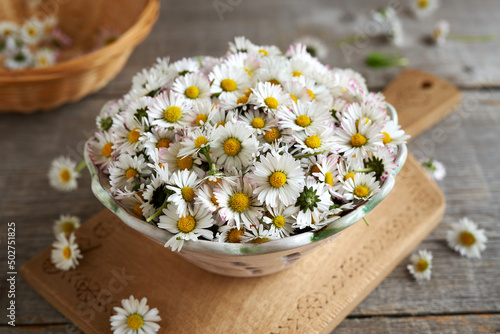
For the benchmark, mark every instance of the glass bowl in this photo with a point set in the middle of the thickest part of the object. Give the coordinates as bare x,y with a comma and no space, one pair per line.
246,260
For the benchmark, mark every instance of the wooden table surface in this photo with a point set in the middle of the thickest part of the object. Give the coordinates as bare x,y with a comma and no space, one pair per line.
463,295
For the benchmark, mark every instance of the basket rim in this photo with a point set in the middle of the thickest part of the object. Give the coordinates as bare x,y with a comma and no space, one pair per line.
224,249
128,40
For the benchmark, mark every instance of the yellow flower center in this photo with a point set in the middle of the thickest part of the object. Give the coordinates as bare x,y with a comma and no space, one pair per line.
187,194
107,150
133,135
423,3
258,123
274,82
349,176
232,147
65,175
248,71
163,143
311,94
387,138
467,238
361,191
198,142
192,92
138,210
43,61
68,227
214,200
239,202
172,114
303,120
329,178
294,98
277,179
228,85
296,73
313,141
201,118
185,162
186,224
263,52
234,236
271,102
135,321
66,252
130,173
260,240
358,139
279,221
220,124
422,265
242,100
32,31
272,134
217,180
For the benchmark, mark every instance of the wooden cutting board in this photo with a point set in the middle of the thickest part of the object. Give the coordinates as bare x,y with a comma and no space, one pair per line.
312,296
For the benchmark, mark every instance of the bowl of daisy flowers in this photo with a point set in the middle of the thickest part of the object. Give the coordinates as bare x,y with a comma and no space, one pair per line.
245,162
61,51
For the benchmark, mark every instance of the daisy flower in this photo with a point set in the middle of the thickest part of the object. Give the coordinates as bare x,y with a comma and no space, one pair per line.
65,252
309,117
234,145
32,31
63,174
279,179
138,109
183,184
186,65
134,317
258,235
169,111
157,137
466,238
195,141
231,234
441,32
44,58
421,265
8,29
297,91
176,161
316,142
356,141
155,196
258,121
206,198
269,97
381,162
393,135
423,8
227,81
133,202
280,219
435,169
273,70
245,61
66,224
313,203
21,58
127,133
361,187
238,204
192,86
101,150
314,46
193,224
241,44
327,172
127,171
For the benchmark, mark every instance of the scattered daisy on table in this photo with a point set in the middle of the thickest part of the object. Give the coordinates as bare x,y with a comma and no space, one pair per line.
135,317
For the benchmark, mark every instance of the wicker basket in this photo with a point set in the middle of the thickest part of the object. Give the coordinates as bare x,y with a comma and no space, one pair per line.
70,80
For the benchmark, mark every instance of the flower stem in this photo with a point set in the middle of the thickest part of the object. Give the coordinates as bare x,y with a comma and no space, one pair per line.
80,166
472,38
157,213
363,170
309,155
205,151
382,60
366,222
